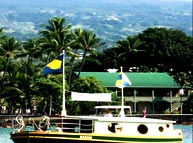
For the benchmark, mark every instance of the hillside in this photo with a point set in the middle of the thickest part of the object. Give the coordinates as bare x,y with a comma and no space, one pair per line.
109,19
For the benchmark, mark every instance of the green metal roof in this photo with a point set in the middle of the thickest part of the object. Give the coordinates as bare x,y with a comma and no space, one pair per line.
138,79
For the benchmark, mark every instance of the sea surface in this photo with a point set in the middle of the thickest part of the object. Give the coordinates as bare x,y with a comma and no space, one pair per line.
186,129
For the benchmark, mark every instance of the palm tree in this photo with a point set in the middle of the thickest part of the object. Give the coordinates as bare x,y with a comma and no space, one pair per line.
55,36
1,32
1,57
9,89
128,47
75,47
31,49
8,48
27,74
21,72
88,42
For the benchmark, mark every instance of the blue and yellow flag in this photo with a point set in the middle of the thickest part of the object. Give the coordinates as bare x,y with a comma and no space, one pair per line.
122,80
54,67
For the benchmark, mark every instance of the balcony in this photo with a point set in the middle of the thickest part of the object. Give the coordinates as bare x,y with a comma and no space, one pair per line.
154,99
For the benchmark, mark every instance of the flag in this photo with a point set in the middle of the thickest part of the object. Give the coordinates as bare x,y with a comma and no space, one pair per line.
54,67
122,80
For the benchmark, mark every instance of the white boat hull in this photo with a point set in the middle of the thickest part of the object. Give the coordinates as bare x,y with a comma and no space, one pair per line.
103,129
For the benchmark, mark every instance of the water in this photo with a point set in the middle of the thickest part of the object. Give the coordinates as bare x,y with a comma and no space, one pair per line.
187,132
5,135
186,129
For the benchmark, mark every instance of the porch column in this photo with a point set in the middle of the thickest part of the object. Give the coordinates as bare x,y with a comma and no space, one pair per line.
135,106
181,94
152,92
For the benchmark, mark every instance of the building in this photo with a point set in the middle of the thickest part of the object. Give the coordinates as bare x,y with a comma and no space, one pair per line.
158,92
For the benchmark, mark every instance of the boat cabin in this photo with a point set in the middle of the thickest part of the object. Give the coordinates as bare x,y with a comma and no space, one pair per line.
114,111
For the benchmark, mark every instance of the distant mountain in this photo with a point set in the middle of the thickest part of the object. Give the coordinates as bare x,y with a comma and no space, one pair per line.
111,20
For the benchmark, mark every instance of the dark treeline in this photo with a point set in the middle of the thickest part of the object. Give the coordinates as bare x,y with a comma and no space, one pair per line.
22,85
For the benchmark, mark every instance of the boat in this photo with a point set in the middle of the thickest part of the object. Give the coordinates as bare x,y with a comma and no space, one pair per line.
119,127
95,128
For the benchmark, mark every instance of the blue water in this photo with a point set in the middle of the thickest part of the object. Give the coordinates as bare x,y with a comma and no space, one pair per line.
186,129
187,132
5,135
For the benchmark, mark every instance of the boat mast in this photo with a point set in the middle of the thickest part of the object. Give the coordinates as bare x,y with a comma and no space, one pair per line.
63,113
122,113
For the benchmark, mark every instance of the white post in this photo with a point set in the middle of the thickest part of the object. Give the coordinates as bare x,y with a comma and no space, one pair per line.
63,80
153,97
135,94
181,94
50,112
122,114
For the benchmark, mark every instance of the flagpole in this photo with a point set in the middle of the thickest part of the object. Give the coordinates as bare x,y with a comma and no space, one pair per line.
122,88
63,81
122,95
121,83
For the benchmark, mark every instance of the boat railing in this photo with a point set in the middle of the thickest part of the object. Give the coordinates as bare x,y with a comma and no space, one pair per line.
75,125
63,124
18,124
30,124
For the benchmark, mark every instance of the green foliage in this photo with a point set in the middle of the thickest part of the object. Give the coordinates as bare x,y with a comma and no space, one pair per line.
155,49
88,43
85,85
55,36
167,49
47,88
187,106
88,85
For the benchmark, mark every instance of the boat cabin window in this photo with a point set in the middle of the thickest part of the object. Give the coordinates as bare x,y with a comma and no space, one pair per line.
113,111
